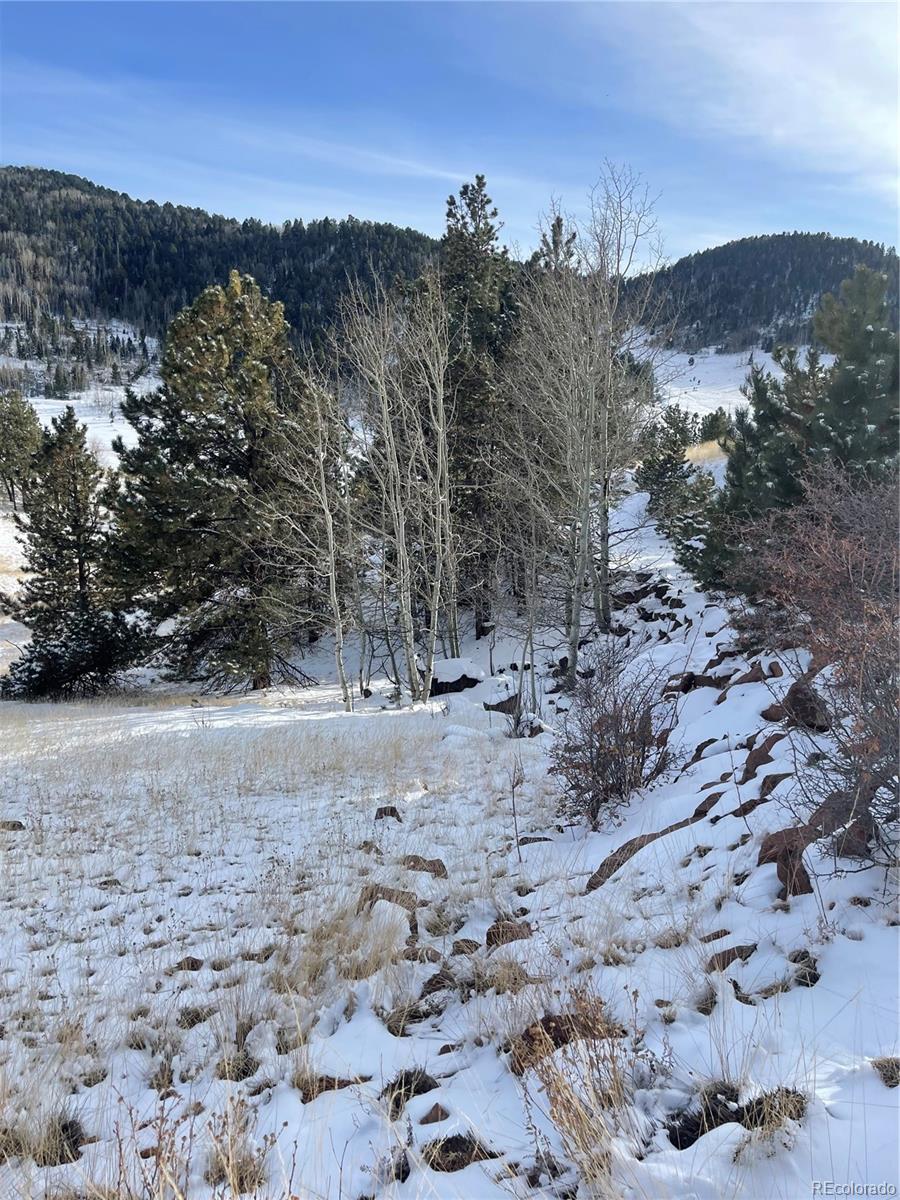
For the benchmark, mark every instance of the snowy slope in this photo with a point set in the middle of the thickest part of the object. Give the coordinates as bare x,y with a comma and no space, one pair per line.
712,380
211,935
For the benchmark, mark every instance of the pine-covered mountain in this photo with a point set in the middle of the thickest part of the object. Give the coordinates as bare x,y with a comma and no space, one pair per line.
72,248
764,290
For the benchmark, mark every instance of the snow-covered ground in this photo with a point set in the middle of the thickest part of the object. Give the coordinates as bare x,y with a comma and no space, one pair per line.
215,948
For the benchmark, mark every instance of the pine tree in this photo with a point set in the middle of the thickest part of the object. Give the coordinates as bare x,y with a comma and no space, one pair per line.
77,645
192,542
476,277
664,472
856,424
20,437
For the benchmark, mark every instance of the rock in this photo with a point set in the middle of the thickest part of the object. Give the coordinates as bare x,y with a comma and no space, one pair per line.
690,681
771,782
379,891
456,1152
754,675
775,670
805,708
554,1030
422,954
12,826
508,706
311,1086
387,810
440,981
723,959
411,1082
532,841
785,848
853,842
465,946
759,756
433,866
189,964
436,1113
707,803
775,712
805,974
504,931
698,753
715,935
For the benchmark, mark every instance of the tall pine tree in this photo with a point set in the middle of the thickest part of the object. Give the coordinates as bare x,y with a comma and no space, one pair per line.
476,276
193,541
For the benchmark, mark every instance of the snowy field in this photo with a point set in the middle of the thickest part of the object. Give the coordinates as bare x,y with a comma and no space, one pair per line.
266,947
223,969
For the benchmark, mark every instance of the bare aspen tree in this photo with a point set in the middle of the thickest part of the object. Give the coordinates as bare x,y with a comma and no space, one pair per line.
396,349
582,379
313,462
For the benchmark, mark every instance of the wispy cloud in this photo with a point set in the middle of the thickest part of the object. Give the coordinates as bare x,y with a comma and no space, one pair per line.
812,85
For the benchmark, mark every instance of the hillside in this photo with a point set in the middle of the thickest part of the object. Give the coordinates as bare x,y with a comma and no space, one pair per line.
71,248
408,976
759,291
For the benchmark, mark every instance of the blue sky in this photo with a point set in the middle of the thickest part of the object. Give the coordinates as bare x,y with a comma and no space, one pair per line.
743,117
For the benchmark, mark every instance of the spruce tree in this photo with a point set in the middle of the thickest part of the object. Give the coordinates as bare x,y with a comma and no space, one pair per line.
192,543
77,644
20,437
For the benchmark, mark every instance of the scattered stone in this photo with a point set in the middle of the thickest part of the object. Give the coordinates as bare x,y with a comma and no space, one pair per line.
775,670
559,1029
311,1086
465,946
424,954
723,959
189,964
411,1082
433,866
436,1113
456,1152
718,1105
504,931
771,782
754,675
785,849
759,756
440,981
805,974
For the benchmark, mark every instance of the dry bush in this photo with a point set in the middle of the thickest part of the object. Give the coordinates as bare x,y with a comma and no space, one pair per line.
825,575
614,735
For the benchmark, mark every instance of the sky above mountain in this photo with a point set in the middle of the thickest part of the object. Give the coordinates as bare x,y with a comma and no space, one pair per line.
743,117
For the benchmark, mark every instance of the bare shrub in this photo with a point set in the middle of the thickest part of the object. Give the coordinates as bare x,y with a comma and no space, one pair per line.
825,574
615,733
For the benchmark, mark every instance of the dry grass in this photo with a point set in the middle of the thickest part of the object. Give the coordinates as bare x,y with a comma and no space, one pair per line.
705,453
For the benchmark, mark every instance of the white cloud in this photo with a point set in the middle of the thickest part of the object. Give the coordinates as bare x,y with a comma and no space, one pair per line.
811,85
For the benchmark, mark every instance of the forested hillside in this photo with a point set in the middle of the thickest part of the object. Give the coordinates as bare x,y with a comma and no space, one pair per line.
764,290
71,248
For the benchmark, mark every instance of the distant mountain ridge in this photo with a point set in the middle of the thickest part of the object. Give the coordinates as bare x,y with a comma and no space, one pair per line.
73,248
764,290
